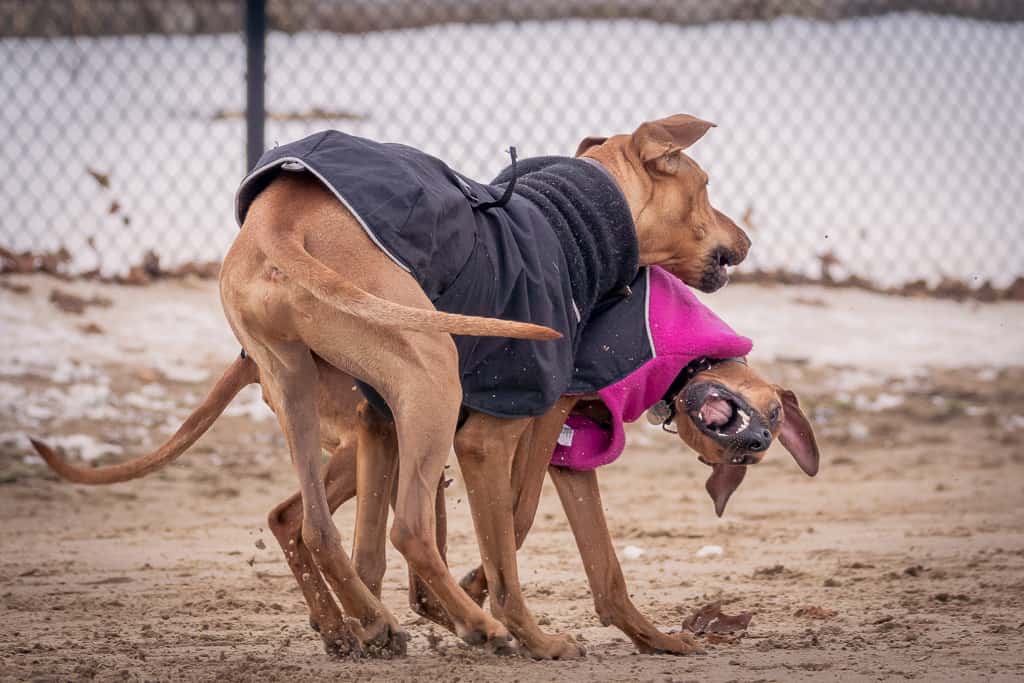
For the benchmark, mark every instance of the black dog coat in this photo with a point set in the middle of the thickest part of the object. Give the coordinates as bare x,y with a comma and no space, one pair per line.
564,242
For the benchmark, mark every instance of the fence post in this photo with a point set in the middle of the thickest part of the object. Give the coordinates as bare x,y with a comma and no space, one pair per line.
255,78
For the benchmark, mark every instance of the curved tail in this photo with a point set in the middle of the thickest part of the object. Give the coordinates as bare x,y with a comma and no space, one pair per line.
287,253
239,374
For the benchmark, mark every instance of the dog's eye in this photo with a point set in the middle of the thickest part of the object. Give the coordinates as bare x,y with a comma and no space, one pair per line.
773,414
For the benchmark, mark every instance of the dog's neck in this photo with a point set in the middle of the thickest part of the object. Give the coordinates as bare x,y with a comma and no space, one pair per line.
591,217
636,186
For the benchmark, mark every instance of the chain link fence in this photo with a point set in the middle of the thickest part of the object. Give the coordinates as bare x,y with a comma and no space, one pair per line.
852,140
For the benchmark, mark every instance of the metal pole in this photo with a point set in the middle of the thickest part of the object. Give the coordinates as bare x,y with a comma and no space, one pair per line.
255,78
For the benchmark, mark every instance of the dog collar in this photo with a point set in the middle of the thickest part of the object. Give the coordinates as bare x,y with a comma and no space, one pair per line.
664,411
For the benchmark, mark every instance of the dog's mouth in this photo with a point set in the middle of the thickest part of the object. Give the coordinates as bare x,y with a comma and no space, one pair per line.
727,419
716,270
721,414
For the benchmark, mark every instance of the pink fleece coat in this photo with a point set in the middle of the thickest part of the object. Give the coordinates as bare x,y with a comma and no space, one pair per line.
681,329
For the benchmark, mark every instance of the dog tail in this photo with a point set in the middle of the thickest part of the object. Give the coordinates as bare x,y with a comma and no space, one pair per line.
239,374
287,252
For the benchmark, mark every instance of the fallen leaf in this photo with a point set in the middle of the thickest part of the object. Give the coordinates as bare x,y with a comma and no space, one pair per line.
15,287
72,303
102,178
711,620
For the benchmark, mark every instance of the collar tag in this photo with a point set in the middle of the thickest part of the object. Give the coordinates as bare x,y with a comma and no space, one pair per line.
565,438
659,413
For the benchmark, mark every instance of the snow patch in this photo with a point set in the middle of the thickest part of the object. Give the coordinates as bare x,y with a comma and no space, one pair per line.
84,446
249,403
879,403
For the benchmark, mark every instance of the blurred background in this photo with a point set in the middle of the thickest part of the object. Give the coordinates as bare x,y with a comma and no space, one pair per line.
866,140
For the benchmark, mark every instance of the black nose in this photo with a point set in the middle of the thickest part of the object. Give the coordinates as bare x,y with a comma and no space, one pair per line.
758,440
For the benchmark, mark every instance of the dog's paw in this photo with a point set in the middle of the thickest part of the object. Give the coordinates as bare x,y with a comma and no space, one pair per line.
559,646
342,644
382,638
488,633
389,643
665,644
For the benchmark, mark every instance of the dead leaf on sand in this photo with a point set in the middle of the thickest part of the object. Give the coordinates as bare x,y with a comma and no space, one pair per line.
72,303
15,287
716,626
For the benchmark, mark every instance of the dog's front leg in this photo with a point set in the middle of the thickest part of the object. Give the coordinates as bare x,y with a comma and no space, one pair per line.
485,446
528,468
581,499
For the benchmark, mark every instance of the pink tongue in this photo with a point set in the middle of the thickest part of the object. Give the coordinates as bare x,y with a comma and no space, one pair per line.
716,412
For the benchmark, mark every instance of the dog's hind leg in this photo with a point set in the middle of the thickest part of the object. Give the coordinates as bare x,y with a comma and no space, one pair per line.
377,457
290,376
425,438
338,401
581,499
377,473
485,446
285,522
421,600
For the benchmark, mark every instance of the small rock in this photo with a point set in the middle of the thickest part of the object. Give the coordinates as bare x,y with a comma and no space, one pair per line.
632,552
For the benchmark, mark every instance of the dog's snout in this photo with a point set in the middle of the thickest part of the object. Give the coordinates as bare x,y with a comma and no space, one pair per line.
724,256
743,248
757,440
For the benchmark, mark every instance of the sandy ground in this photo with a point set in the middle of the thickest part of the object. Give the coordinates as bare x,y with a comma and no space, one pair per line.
913,533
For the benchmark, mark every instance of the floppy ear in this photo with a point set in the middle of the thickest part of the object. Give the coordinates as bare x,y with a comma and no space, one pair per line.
655,139
723,481
587,143
796,433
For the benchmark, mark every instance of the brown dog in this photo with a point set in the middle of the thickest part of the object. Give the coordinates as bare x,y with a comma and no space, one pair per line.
315,303
708,412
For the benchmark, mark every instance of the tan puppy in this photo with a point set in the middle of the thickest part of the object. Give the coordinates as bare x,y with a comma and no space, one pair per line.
315,303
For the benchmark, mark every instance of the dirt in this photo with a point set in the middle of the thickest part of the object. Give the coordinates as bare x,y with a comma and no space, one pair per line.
904,558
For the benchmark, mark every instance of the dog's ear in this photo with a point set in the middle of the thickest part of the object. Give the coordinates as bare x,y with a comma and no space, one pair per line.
723,481
668,136
796,433
588,142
